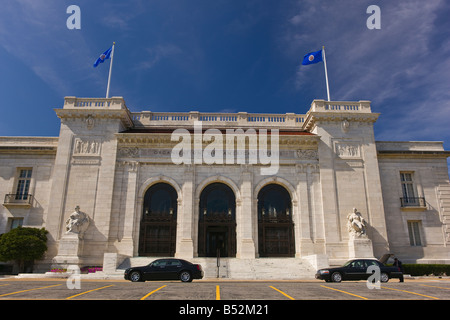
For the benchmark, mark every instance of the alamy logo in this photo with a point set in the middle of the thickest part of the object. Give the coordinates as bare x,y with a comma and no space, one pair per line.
74,20
374,21
190,148
373,281
74,279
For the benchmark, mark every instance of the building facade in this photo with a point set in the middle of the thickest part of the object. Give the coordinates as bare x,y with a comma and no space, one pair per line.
317,187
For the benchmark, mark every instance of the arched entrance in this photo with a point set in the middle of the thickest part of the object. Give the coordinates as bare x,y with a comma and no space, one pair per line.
217,221
275,225
158,226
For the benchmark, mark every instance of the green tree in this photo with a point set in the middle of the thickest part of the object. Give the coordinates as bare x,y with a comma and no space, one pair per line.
24,245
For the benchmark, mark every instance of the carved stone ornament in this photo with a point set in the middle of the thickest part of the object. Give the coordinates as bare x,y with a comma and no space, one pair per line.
356,224
307,154
86,147
348,150
77,223
90,122
132,152
345,125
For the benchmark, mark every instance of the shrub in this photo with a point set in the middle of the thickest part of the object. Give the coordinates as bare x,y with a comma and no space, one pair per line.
23,245
426,269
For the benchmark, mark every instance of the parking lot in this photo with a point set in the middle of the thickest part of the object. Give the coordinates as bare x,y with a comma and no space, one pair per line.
58,289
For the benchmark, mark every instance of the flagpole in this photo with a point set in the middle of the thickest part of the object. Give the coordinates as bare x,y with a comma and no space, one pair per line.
326,72
110,69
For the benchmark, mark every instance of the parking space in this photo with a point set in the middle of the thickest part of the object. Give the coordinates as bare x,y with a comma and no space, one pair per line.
16,289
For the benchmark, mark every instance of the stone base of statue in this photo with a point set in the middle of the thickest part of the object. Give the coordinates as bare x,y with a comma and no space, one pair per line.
70,248
360,247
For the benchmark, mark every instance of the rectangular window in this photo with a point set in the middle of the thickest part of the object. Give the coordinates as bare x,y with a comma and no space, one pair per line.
16,222
414,233
409,191
407,185
23,184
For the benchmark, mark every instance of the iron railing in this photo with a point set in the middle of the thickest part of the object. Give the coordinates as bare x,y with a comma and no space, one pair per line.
412,202
18,198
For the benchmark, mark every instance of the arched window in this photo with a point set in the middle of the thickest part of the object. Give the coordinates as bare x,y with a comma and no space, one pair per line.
160,199
275,226
159,221
217,199
217,222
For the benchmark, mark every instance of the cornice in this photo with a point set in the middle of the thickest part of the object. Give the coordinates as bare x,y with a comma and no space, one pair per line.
27,150
314,118
412,154
164,139
83,113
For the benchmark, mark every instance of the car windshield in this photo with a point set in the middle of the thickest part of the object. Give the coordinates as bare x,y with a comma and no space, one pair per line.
354,264
347,263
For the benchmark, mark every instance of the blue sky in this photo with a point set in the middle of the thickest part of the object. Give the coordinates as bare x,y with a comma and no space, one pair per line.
228,55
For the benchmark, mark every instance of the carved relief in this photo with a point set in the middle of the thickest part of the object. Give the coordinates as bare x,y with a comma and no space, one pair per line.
86,147
307,154
348,150
132,152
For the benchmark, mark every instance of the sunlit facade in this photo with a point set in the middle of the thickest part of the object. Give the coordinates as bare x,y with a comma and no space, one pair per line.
149,192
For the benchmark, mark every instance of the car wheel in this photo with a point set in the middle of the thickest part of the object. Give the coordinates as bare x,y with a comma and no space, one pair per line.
185,276
336,277
384,277
135,276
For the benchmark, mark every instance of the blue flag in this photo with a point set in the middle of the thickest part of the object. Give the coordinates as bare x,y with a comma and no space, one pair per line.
312,57
105,55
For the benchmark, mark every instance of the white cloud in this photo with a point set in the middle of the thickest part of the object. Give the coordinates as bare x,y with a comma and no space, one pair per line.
35,32
156,53
397,67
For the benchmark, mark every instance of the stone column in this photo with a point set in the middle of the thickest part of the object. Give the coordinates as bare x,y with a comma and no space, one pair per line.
185,216
244,206
127,242
301,210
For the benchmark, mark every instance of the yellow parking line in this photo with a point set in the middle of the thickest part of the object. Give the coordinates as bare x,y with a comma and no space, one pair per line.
285,294
434,286
419,294
352,294
79,294
150,293
217,293
8,294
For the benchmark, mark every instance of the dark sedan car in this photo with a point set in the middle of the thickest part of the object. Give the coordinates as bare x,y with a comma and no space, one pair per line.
357,270
165,269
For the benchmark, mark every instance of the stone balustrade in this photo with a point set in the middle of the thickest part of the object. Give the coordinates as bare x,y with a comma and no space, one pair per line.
362,106
216,119
240,119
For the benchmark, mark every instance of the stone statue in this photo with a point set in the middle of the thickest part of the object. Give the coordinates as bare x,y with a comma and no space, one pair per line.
356,224
77,222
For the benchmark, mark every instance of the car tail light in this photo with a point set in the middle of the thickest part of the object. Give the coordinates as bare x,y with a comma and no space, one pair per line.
199,267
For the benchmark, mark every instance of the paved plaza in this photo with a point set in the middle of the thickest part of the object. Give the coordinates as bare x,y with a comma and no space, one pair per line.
203,290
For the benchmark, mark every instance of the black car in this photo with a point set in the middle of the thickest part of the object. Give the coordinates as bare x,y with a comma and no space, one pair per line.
165,269
356,269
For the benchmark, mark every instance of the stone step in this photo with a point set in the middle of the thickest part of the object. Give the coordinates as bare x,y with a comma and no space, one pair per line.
251,269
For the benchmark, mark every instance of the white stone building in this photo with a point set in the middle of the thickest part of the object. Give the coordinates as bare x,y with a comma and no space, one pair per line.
123,170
